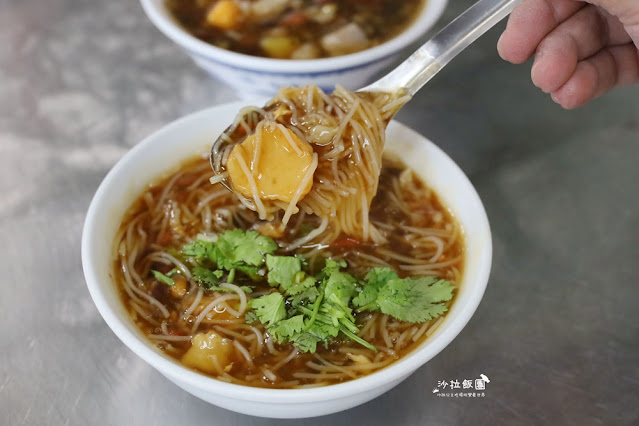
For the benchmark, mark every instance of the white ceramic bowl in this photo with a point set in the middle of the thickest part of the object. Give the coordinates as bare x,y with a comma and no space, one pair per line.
252,75
163,151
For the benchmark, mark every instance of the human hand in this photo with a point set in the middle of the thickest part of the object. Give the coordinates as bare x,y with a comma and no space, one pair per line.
582,49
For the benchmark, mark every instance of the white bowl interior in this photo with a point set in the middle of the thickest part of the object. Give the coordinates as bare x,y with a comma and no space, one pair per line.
163,151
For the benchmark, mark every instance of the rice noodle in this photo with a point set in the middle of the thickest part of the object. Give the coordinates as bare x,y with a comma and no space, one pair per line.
195,303
242,350
309,237
241,295
173,260
269,374
344,172
286,360
169,338
209,307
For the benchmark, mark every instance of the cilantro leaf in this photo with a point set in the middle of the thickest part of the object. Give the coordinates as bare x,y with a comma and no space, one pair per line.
306,342
282,270
269,308
318,333
207,278
286,271
339,289
236,247
307,296
415,299
252,271
285,329
250,317
198,249
163,278
302,283
375,279
332,266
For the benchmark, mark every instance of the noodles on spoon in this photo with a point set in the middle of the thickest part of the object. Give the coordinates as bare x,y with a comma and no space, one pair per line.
338,140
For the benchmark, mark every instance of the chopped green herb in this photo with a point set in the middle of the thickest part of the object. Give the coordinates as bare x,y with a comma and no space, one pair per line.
269,308
307,296
235,248
309,310
199,249
375,279
163,278
206,277
250,317
282,270
286,329
286,271
413,299
340,287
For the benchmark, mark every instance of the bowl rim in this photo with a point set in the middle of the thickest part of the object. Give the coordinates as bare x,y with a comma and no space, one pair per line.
172,368
161,18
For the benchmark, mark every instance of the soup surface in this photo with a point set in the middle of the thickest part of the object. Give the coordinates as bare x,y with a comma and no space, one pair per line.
223,330
294,29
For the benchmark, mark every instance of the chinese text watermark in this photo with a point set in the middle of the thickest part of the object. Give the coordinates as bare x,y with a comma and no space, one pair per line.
467,388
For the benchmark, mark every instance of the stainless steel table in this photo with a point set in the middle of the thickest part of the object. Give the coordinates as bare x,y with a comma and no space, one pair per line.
557,332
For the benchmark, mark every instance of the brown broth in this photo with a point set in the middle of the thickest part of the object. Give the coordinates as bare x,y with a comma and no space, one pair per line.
300,22
174,210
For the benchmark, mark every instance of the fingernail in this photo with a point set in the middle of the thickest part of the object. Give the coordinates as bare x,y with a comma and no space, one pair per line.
534,67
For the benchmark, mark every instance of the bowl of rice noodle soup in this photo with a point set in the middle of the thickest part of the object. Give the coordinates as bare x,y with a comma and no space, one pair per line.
348,252
264,51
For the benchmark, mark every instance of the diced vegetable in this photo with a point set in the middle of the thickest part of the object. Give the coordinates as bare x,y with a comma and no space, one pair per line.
239,25
225,14
347,39
268,9
206,351
306,51
179,289
273,183
323,14
279,47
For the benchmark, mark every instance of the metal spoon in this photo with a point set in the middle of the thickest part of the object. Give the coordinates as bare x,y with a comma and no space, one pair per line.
412,74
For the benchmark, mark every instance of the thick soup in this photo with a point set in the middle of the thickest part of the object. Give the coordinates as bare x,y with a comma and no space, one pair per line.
294,29
245,302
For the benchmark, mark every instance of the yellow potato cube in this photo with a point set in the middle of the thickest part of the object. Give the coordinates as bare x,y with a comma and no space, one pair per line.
279,47
207,350
278,170
225,14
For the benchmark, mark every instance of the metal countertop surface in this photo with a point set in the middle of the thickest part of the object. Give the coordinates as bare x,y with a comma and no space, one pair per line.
557,332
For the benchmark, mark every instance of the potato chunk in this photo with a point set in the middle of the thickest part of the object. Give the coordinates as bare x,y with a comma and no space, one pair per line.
279,168
278,47
347,39
178,289
225,14
207,350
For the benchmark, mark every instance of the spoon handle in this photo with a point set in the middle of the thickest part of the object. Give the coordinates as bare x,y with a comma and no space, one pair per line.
429,59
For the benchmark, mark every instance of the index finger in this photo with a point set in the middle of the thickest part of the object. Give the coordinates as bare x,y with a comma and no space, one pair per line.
529,23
